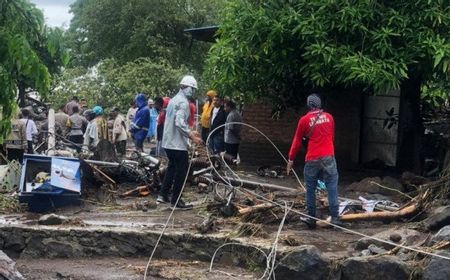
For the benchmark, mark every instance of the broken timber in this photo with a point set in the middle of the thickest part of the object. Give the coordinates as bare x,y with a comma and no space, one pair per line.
381,216
255,208
249,184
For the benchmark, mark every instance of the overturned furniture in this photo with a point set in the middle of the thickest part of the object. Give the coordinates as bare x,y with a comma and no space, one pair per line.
47,183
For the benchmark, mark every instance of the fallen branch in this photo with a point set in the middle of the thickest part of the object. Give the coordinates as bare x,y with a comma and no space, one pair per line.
381,216
258,207
391,189
139,191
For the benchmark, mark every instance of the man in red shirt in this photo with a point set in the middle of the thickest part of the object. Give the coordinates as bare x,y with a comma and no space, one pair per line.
317,127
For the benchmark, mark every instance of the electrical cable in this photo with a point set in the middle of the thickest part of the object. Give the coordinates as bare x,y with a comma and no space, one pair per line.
314,218
170,216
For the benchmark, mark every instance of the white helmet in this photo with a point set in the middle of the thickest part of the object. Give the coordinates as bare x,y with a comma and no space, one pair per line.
189,81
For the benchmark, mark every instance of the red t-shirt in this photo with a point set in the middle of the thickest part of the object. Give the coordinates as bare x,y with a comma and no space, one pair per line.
320,139
193,111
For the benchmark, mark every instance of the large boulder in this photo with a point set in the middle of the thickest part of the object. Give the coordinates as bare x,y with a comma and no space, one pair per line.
372,185
365,185
398,236
437,268
306,263
8,269
393,186
442,235
374,268
438,219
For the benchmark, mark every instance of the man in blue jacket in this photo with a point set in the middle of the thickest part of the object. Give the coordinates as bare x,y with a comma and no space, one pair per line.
141,122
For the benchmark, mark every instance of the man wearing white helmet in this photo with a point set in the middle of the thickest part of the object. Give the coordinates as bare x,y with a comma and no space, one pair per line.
176,142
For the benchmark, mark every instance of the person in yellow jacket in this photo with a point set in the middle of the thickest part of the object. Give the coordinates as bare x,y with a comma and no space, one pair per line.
206,114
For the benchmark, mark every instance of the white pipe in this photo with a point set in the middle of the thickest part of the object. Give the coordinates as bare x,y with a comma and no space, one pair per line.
51,133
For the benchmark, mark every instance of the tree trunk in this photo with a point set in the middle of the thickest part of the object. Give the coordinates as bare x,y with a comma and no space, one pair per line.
410,129
21,86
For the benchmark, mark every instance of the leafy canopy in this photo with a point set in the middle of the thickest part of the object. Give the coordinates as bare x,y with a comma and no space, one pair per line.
128,30
281,49
27,46
110,84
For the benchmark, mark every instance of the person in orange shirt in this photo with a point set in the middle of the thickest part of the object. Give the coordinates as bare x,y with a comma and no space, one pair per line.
206,114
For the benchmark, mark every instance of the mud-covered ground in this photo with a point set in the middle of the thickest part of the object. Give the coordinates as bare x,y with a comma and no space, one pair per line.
126,268
129,213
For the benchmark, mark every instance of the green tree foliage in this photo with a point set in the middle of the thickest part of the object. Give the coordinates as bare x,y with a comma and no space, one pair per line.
110,84
280,49
128,30
27,46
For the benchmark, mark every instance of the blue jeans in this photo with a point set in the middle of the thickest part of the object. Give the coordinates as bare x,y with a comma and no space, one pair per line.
323,168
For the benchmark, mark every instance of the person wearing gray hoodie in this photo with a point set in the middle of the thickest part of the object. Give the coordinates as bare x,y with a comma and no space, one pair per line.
175,142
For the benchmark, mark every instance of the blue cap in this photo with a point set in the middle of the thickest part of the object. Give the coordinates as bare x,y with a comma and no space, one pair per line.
97,110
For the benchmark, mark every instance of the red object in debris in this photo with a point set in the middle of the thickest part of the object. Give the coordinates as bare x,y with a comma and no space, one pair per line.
193,110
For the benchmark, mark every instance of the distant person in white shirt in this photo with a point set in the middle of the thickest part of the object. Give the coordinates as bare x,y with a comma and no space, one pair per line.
120,135
30,128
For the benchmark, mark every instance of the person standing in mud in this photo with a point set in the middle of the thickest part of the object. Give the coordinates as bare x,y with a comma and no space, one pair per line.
161,106
316,130
16,142
30,128
175,141
119,132
75,125
141,122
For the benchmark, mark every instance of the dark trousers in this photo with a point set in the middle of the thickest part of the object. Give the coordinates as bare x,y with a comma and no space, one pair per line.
78,140
139,143
30,147
121,147
176,173
15,154
216,143
232,149
205,133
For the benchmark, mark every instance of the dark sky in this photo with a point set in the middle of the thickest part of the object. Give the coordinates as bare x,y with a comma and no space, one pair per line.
56,12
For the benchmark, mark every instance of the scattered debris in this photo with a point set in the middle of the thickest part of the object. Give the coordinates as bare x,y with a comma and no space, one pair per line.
208,225
145,205
271,171
139,191
9,177
408,237
52,220
250,229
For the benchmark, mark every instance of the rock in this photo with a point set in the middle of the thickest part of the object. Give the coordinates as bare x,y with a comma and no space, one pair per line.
8,268
306,263
391,183
441,235
376,196
52,220
374,268
411,237
365,185
437,268
395,237
439,218
375,250
409,178
366,253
